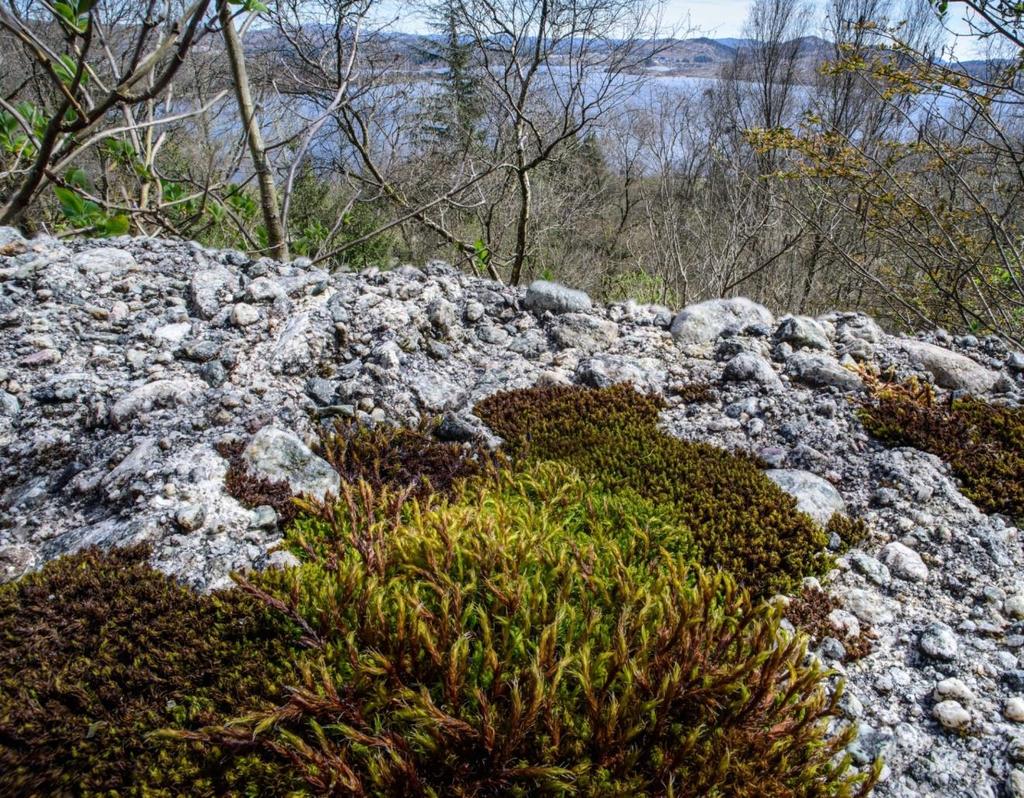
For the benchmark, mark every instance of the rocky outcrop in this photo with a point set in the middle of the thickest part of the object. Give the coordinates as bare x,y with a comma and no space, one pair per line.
127,365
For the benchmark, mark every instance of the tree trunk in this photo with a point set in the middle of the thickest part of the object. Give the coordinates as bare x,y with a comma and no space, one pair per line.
522,226
277,239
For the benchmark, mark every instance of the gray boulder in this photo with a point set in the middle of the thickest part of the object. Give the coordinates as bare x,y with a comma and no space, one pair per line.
279,455
543,295
802,331
949,369
748,367
701,324
822,371
581,331
814,495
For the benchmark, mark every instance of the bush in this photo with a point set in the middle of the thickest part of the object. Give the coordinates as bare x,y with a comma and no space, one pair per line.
983,444
533,634
98,651
740,520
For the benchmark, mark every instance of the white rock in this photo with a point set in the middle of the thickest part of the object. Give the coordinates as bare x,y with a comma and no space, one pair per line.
952,715
172,333
1014,709
939,641
950,369
868,606
904,562
814,495
1014,606
952,689
544,295
243,314
279,455
701,324
1015,783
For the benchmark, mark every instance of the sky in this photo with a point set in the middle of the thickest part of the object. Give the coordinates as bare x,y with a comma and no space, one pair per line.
714,18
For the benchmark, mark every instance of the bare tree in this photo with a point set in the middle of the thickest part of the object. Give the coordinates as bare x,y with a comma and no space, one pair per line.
71,44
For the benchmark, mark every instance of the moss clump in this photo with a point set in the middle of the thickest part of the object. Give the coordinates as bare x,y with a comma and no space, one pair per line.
740,520
97,651
529,635
254,491
809,613
397,457
983,444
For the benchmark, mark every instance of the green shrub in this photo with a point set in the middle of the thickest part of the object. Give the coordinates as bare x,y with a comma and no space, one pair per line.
98,651
532,634
741,521
983,443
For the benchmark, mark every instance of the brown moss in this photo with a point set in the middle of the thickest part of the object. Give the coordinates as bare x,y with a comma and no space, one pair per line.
254,491
98,651
983,443
401,458
809,613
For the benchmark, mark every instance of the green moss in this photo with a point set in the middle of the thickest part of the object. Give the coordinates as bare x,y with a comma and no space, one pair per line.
983,443
97,651
532,634
740,520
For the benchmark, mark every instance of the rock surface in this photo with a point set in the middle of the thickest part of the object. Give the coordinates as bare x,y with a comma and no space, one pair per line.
126,364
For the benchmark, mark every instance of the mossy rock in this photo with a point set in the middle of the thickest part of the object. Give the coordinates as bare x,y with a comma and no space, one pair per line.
983,443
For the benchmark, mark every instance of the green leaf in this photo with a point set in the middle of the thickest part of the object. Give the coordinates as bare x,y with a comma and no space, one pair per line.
77,178
71,204
113,226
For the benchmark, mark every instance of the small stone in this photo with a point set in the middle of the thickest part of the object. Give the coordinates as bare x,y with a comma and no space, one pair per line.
952,715
543,295
1014,606
953,689
263,517
191,517
870,567
15,560
938,641
1016,749
1015,783
868,606
814,495
279,455
243,314
748,367
281,559
1014,709
474,311
904,562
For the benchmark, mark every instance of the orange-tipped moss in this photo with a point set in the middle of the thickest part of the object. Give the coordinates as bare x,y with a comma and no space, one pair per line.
533,635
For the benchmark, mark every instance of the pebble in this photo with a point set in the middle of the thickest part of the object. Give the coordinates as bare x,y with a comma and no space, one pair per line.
243,315
952,715
1014,709
939,641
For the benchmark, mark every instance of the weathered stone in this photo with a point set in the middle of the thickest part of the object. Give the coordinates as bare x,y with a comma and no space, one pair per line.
950,369
802,331
822,371
543,295
748,367
279,455
814,495
699,325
